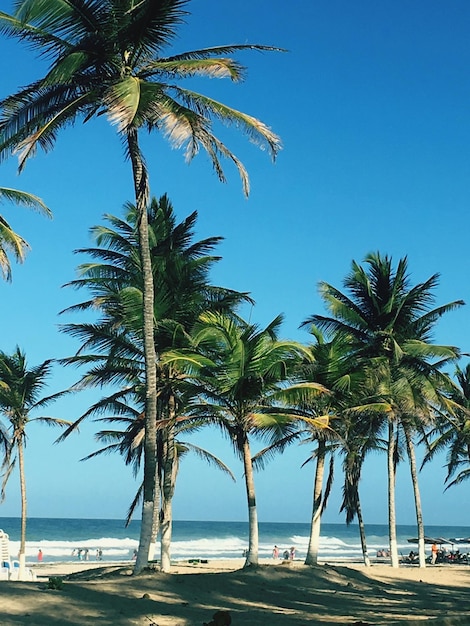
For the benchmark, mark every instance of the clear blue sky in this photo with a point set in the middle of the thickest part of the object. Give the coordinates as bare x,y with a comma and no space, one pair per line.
372,104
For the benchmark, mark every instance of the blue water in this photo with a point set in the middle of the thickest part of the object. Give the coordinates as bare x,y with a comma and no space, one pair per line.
58,538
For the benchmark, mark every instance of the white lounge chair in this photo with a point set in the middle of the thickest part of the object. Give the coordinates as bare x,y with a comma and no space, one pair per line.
10,569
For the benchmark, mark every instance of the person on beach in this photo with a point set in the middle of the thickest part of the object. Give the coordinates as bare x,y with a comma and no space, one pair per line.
275,552
434,551
292,553
40,556
285,555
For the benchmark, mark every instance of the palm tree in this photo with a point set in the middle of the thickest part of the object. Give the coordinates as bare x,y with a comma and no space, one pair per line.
181,269
127,440
328,370
390,325
20,395
358,437
452,432
105,58
11,242
246,365
309,404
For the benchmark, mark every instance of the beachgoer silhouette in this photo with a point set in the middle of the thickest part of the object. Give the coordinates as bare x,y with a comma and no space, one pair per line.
40,556
292,553
434,551
275,552
285,555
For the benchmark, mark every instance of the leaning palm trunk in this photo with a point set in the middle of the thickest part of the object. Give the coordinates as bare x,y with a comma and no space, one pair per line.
314,540
141,188
392,528
166,527
169,479
253,541
417,495
22,551
362,532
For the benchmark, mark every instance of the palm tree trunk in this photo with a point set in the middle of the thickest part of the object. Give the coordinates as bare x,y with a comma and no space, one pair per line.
169,479
362,532
417,495
22,551
141,187
253,541
314,540
166,528
155,528
156,509
392,524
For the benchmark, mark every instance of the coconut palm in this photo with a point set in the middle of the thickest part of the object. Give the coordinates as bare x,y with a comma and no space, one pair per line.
451,433
311,403
390,325
359,435
246,365
112,348
11,242
20,396
126,438
106,58
329,368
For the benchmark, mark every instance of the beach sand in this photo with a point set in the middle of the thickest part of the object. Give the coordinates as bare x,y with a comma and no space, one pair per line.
272,594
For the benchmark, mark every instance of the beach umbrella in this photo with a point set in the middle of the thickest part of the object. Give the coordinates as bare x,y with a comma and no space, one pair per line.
442,540
430,540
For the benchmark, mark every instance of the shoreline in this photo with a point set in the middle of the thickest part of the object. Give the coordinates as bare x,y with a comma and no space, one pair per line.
67,568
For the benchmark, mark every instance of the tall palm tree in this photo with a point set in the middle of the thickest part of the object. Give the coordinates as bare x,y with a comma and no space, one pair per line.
106,58
20,395
246,365
112,349
390,325
11,242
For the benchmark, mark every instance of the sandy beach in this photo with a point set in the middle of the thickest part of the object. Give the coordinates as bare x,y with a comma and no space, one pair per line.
272,594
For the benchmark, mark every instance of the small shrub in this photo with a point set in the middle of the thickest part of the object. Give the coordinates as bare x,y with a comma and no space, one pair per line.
55,582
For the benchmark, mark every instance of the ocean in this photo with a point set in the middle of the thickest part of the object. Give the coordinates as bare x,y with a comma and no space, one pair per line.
61,539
